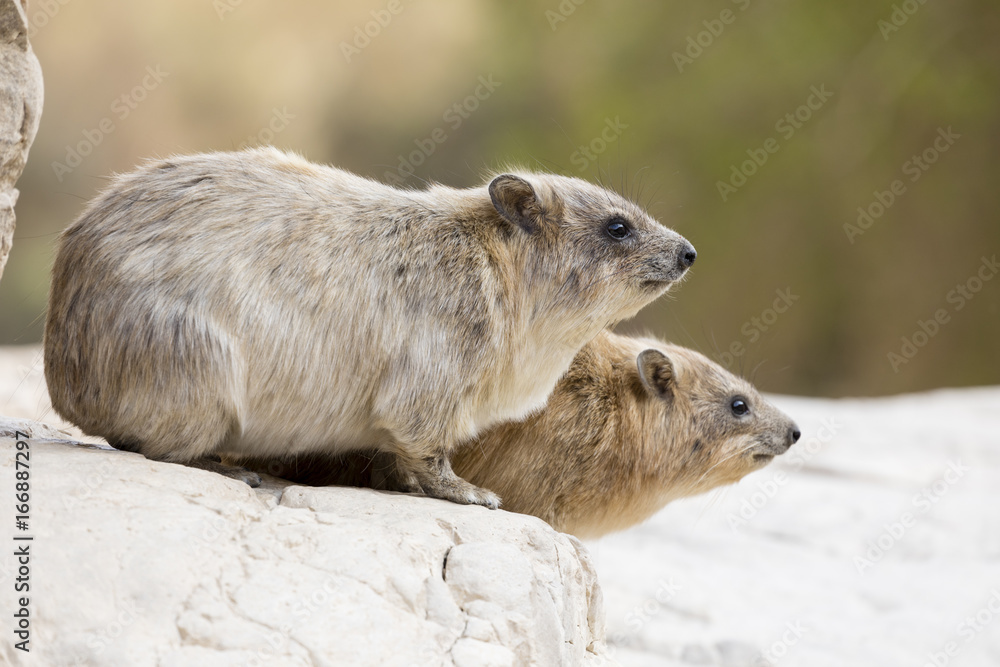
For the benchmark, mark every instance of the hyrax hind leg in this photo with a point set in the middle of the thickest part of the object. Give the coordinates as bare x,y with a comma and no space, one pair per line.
180,401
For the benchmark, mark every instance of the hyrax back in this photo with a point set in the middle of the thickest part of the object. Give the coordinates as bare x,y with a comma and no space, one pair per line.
255,304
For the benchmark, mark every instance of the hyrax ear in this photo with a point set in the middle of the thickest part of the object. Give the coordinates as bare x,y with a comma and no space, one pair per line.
515,200
656,372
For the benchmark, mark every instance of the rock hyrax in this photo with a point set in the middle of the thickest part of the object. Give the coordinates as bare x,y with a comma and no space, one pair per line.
634,424
256,304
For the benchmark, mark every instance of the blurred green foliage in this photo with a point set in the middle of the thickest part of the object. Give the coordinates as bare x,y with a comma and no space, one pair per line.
659,100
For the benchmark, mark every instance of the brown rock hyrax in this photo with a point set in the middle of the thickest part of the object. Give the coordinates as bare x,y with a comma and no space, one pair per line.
634,424
256,304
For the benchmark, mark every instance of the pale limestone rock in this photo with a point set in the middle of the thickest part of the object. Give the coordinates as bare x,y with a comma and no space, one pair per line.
10,426
136,562
695,583
20,110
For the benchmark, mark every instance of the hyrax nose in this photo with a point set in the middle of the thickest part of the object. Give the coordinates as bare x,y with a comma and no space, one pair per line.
793,435
686,255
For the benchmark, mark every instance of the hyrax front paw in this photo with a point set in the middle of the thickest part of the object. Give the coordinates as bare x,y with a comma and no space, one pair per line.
465,493
484,497
438,480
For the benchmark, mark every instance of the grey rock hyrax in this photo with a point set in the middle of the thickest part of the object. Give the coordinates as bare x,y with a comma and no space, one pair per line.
255,304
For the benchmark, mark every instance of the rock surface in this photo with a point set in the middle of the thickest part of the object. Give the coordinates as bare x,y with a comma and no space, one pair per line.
20,110
136,563
797,565
870,544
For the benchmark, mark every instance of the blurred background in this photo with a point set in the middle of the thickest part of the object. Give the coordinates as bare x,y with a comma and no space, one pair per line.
835,164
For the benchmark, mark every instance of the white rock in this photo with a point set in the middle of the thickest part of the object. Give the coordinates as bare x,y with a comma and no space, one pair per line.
136,563
709,581
21,94
686,586
474,653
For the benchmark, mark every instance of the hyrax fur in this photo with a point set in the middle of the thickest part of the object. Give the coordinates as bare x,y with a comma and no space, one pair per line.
634,424
256,304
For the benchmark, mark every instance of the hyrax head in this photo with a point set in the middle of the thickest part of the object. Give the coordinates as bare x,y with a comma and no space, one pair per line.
599,248
710,426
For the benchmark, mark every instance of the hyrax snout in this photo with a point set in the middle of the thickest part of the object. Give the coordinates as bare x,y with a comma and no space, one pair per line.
255,304
634,424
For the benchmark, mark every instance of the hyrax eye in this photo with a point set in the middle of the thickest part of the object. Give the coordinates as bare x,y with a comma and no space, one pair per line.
739,407
618,228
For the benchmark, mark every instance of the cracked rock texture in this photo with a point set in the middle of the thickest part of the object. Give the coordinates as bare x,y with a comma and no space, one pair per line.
805,563
20,110
137,563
